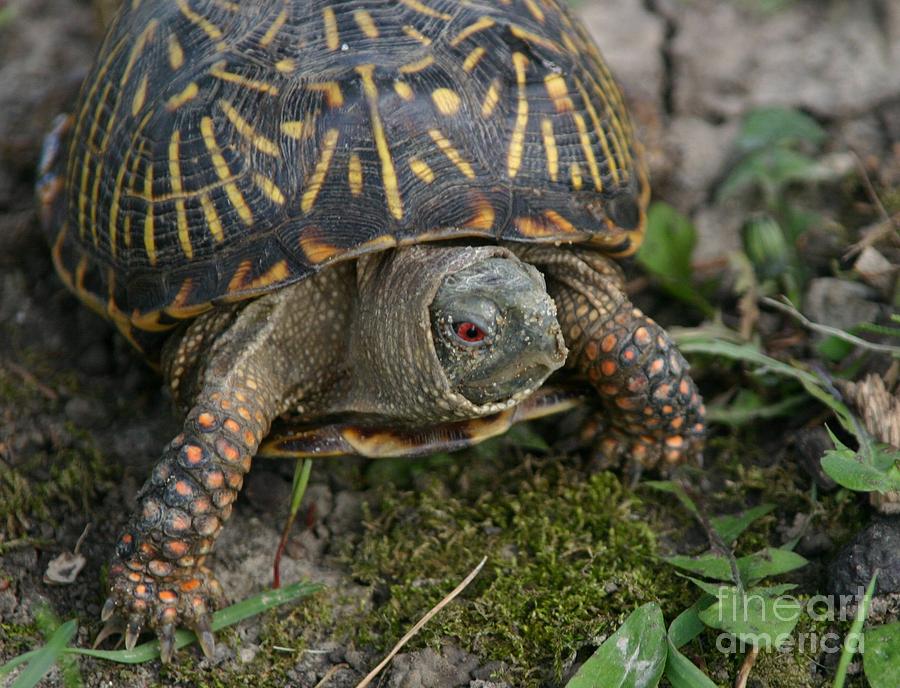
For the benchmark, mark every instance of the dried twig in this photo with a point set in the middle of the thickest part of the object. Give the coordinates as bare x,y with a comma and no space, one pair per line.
785,306
744,673
421,622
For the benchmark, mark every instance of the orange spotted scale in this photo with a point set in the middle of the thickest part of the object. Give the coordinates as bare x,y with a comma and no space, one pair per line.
229,149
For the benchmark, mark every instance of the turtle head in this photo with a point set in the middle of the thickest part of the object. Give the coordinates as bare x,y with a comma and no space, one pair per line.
495,330
445,333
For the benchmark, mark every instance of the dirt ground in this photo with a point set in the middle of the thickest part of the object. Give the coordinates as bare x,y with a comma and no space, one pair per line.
82,419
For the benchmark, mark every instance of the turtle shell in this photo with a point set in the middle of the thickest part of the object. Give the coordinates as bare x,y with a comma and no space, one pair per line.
222,149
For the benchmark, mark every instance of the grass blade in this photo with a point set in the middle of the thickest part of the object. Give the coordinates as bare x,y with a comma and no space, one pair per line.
44,659
851,642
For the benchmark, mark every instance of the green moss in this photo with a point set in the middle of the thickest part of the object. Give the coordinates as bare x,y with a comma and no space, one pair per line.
568,557
32,483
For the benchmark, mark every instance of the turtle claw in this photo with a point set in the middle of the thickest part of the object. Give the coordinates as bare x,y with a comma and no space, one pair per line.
113,626
109,608
166,635
133,631
205,637
142,601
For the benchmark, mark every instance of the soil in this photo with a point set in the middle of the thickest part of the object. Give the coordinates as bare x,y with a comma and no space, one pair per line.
82,418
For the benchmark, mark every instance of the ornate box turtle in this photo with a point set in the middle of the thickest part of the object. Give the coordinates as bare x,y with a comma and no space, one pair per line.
383,223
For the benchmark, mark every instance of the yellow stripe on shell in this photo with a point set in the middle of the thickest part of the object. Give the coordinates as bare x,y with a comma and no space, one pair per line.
262,86
212,146
211,30
293,128
446,101
534,38
269,188
421,169
184,237
491,99
365,23
598,127
575,175
471,29
388,174
517,140
213,221
355,175
239,281
314,185
78,134
588,150
149,230
273,30
245,129
86,168
332,38
404,91
416,35
316,250
145,37
426,10
535,11
473,58
176,52
114,209
550,148
187,94
558,92
417,65
334,98
452,154
140,96
286,66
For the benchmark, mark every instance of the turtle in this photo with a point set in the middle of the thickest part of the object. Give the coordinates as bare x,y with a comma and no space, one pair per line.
352,227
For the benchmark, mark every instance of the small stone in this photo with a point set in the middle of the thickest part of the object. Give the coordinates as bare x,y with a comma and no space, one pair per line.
248,653
875,547
876,270
839,303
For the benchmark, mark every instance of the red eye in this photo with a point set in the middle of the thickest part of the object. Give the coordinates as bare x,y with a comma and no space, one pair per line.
469,332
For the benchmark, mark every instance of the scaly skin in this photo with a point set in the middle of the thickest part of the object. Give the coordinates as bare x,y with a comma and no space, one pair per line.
158,575
651,413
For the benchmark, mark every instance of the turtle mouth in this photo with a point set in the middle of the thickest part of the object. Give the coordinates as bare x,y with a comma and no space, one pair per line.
516,378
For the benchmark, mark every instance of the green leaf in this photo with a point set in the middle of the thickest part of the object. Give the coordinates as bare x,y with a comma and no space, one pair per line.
851,641
766,247
881,656
666,254
770,561
748,407
682,672
668,244
43,659
634,656
729,527
772,126
843,466
687,625
754,617
674,488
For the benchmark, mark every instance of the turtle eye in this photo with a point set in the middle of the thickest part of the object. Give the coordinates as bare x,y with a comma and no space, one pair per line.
469,332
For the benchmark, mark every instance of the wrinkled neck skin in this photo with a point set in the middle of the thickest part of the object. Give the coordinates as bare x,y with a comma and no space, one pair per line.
397,374
355,338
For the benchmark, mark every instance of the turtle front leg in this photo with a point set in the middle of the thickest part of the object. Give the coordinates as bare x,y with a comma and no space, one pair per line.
157,578
232,371
651,411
